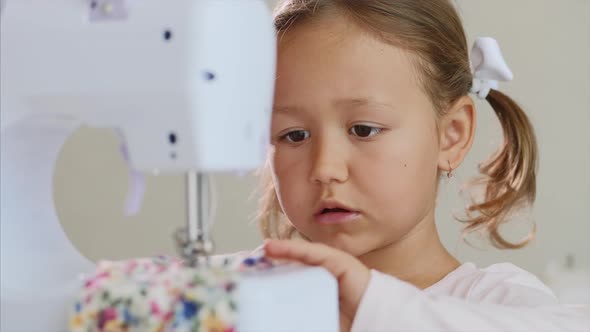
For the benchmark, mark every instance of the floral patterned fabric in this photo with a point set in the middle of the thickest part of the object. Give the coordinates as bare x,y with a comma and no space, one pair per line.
160,294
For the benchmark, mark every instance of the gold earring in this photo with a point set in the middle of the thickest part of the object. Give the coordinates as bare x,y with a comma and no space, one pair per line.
450,172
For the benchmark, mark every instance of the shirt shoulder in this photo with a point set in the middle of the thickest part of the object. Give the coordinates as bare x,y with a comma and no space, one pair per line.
502,283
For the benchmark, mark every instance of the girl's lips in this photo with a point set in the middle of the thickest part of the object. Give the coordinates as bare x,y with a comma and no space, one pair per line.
336,217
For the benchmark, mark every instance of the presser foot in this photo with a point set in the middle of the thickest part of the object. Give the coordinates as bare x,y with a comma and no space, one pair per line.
194,252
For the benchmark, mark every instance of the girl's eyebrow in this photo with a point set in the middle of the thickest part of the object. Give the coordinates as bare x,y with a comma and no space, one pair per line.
361,102
287,109
341,103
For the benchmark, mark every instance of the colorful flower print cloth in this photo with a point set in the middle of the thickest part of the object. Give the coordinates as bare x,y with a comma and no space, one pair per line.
160,294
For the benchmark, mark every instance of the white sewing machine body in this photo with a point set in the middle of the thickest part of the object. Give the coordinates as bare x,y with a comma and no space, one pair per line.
194,69
188,85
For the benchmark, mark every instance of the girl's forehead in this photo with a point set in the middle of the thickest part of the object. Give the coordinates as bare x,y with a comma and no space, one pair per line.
342,61
327,38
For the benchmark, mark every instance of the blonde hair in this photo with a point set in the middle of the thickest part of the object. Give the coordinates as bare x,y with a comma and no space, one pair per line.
433,31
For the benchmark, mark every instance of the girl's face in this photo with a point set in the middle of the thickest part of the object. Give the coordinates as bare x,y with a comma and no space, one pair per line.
351,129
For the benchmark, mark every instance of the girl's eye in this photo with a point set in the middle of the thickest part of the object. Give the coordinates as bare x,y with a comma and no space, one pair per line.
295,136
364,131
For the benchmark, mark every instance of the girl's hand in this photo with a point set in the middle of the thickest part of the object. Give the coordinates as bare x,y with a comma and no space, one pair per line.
353,277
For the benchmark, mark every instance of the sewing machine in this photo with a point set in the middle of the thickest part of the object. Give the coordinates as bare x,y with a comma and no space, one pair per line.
187,84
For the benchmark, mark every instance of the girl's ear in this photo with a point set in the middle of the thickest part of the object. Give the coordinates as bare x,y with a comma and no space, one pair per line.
456,132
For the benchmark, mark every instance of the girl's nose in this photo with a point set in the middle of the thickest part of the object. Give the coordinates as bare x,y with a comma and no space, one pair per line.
329,161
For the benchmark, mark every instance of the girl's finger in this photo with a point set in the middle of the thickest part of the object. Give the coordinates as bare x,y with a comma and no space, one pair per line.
308,253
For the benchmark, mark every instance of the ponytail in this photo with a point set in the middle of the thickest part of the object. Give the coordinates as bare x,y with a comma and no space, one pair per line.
509,176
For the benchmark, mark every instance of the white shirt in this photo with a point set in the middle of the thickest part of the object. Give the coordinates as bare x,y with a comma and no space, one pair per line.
501,297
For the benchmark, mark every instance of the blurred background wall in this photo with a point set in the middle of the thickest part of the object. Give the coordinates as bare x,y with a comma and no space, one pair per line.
547,45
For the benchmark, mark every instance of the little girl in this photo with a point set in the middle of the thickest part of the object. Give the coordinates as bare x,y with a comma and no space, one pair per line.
372,107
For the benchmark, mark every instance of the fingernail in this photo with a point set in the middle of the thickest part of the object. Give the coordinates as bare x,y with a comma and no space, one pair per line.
265,246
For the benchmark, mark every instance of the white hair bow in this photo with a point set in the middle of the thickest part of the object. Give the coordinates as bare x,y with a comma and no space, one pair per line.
488,66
